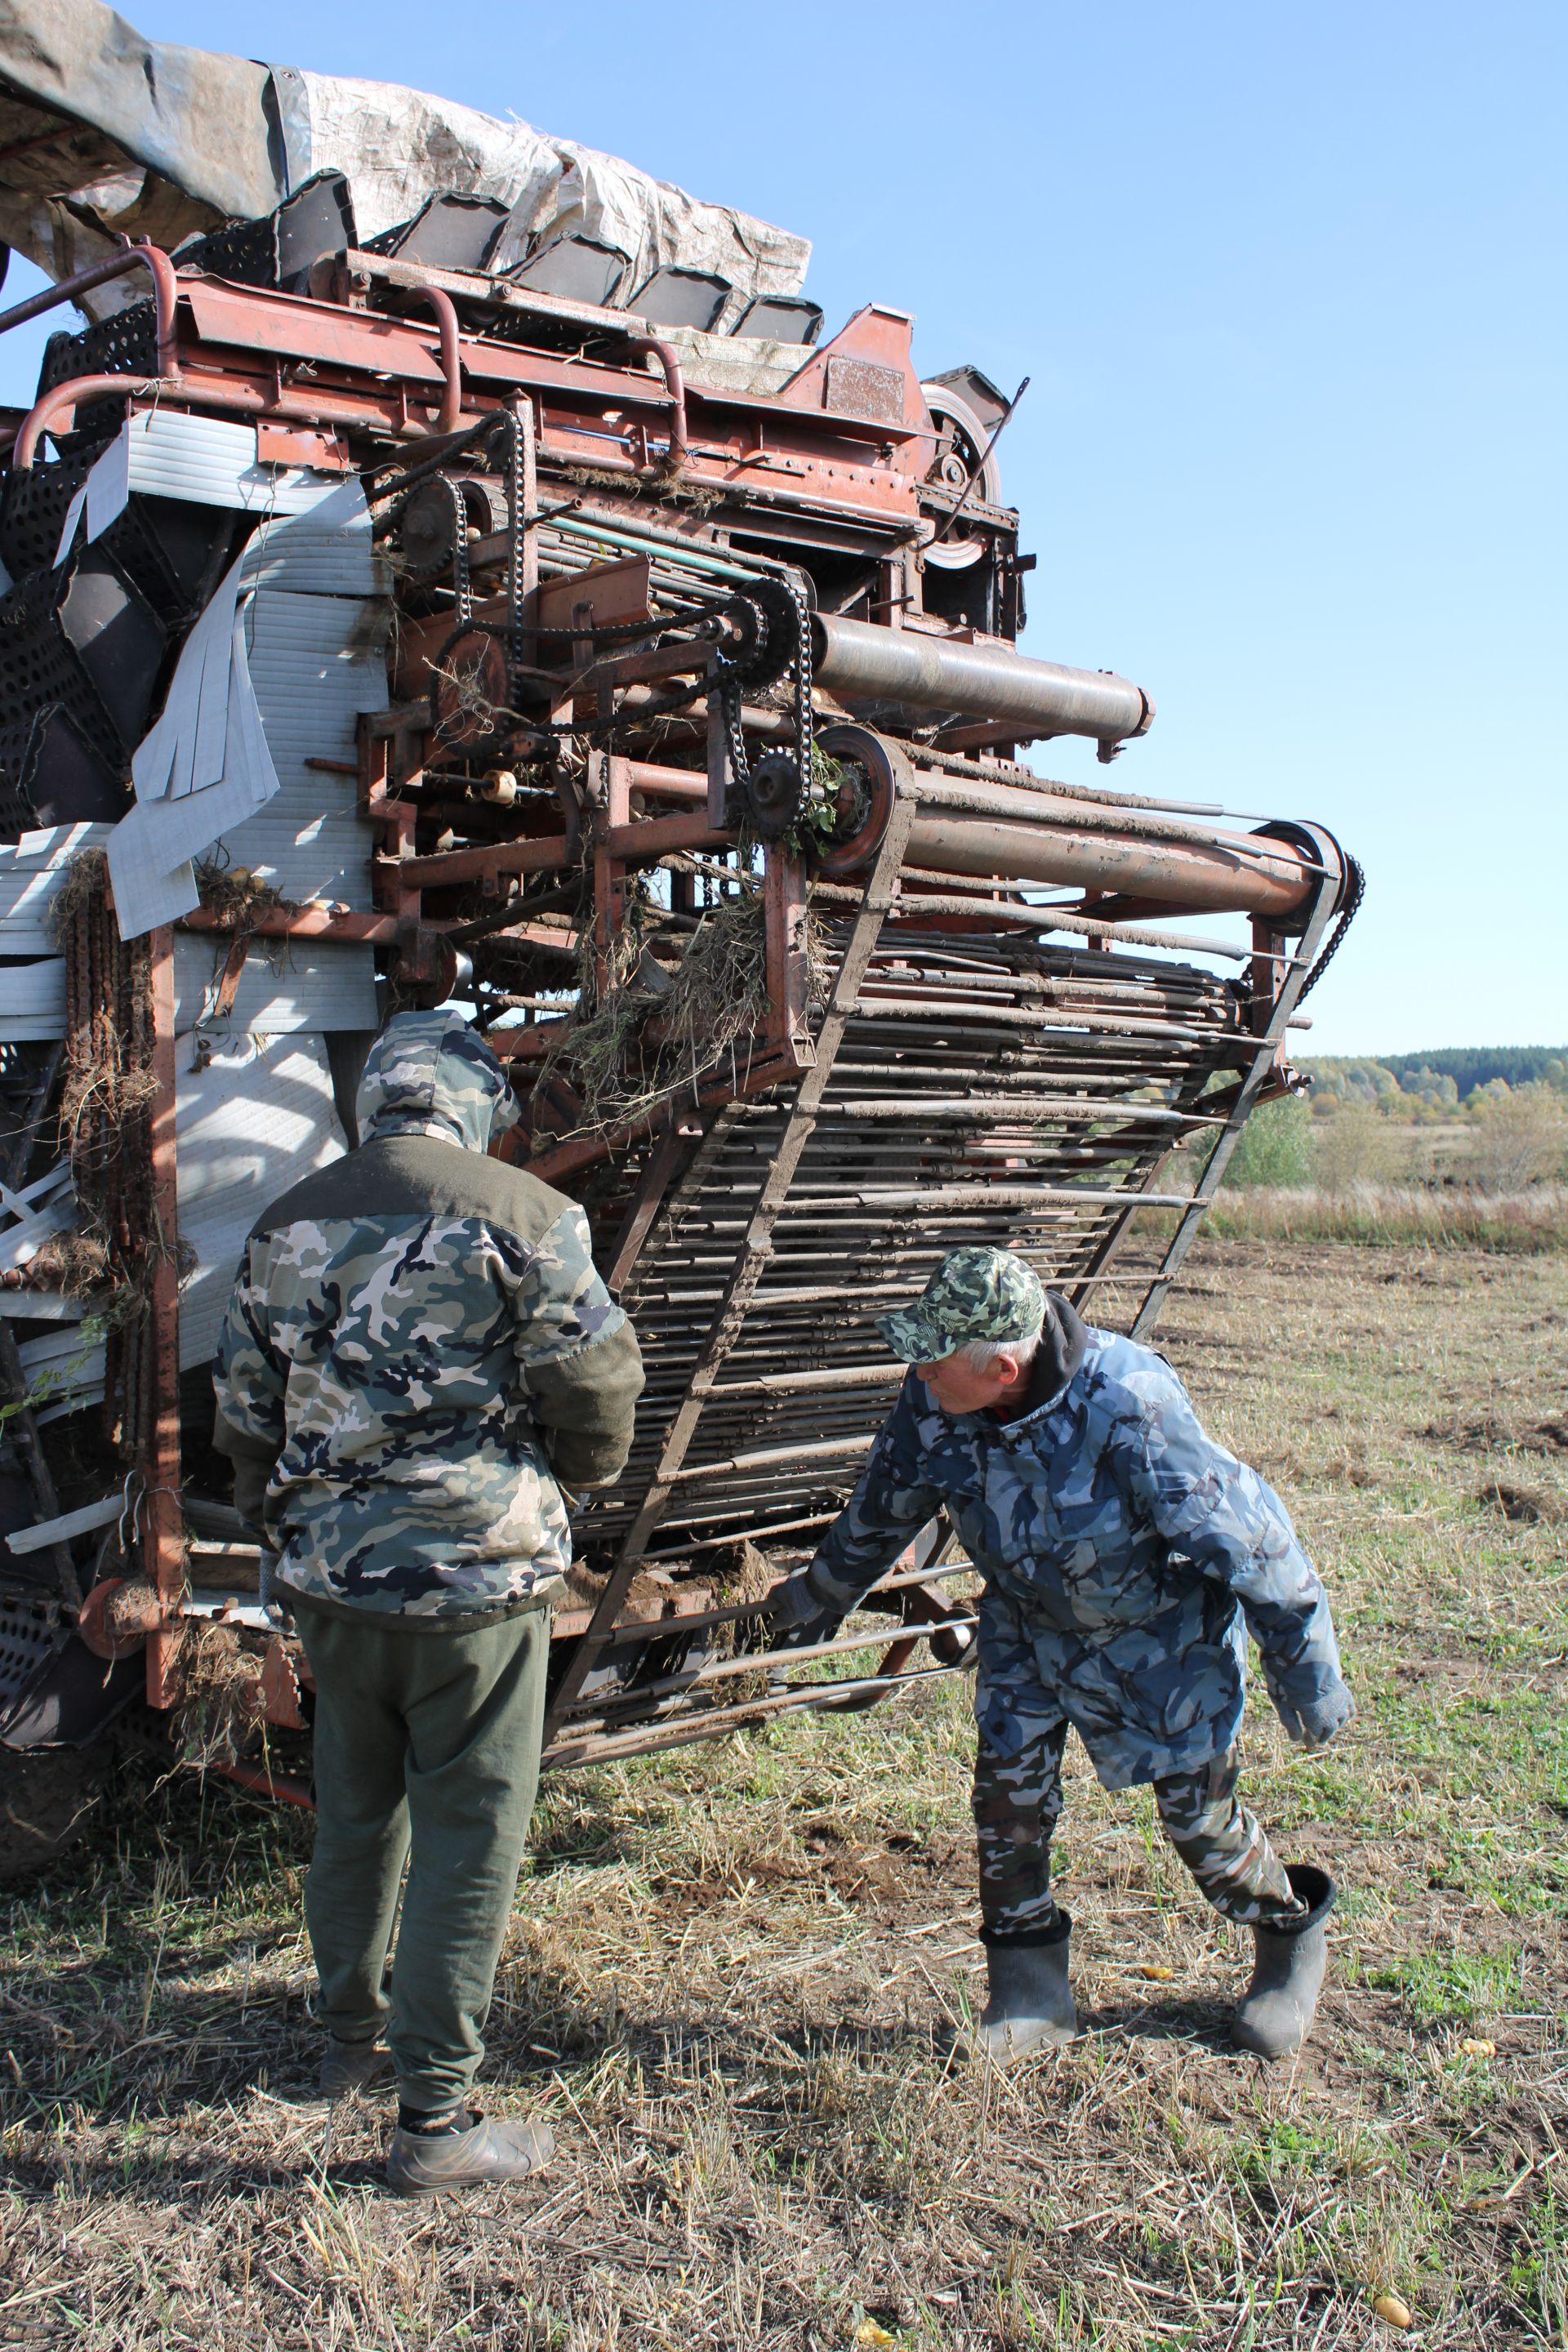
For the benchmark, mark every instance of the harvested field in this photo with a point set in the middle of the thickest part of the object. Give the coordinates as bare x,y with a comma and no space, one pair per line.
735,1976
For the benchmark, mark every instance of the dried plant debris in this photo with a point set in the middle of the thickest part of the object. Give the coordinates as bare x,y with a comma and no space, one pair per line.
710,1004
237,898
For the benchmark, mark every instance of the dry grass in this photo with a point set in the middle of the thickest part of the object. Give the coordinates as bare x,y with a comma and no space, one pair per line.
735,1977
1534,1217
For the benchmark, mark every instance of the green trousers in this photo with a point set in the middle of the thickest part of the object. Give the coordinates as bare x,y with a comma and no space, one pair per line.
427,1749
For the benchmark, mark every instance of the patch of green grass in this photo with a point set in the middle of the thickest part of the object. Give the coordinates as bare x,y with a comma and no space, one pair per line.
1452,1988
1538,2271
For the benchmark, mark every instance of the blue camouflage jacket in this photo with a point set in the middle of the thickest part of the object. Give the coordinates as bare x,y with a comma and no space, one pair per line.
1134,1552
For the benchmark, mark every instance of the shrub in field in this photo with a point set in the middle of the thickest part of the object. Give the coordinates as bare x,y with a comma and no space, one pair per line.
1518,1136
1276,1145
1356,1146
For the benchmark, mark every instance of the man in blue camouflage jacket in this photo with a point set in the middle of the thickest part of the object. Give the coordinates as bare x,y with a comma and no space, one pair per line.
1126,1558
418,1357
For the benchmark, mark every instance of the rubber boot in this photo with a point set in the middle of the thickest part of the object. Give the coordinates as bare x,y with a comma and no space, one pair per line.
351,2067
1276,2011
487,2156
1030,2006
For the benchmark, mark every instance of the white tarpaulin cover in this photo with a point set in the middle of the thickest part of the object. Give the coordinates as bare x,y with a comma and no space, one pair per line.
165,142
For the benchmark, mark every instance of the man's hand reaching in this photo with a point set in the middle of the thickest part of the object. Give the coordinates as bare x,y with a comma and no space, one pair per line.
1314,1726
800,1615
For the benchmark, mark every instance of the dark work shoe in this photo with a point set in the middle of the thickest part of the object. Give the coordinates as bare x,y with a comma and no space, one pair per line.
1030,2006
1276,2011
354,2067
488,2155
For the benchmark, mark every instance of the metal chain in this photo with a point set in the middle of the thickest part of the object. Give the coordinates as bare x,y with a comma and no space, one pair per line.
461,577
1347,917
804,716
516,532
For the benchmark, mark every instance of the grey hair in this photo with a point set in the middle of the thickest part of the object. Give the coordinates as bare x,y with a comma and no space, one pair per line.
981,1354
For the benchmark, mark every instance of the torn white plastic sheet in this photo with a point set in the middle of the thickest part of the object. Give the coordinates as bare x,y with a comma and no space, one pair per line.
275,673
315,663
202,767
249,1121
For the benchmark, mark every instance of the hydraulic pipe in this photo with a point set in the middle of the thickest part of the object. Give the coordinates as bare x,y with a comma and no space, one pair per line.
675,384
861,663
61,402
445,316
142,256
1272,880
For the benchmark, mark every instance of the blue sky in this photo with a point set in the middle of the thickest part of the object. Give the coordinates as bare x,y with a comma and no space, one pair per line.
1288,283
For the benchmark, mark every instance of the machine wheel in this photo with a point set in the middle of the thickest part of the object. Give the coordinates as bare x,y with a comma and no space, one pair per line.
48,1799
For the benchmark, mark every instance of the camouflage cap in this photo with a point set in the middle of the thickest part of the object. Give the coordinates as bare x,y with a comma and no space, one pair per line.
430,1070
974,1294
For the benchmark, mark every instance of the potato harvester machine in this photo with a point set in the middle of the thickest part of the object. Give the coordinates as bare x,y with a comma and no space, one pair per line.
386,625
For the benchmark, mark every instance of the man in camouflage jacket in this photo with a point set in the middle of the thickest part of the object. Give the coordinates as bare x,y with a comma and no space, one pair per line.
1126,1558
417,1358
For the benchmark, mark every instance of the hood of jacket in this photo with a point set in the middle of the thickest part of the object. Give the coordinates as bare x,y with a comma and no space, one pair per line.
430,1074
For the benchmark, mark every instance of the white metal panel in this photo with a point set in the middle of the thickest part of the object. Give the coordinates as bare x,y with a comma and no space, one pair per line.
318,544
63,1365
31,871
249,1122
287,985
33,1000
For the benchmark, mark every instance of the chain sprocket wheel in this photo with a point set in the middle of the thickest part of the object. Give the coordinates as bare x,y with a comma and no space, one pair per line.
874,772
773,793
470,690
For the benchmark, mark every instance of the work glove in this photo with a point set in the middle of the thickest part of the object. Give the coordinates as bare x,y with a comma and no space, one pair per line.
251,1479
800,1614
1314,1726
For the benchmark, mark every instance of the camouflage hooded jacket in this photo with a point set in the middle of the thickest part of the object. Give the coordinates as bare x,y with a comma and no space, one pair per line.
1134,1552
417,1347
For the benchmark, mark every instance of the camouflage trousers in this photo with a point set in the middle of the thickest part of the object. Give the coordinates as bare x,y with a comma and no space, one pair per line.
1018,1800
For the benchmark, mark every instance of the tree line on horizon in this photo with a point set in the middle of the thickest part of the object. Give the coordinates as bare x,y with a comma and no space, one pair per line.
1448,1073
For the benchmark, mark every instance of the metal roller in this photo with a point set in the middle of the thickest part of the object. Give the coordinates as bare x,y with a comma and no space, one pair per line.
861,663
1268,880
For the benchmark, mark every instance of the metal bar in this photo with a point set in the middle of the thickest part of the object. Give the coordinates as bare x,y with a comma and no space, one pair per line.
163,1532
681,1732
283,1788
142,254
759,1660
1034,808
992,771
751,1258
1270,1044
979,466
